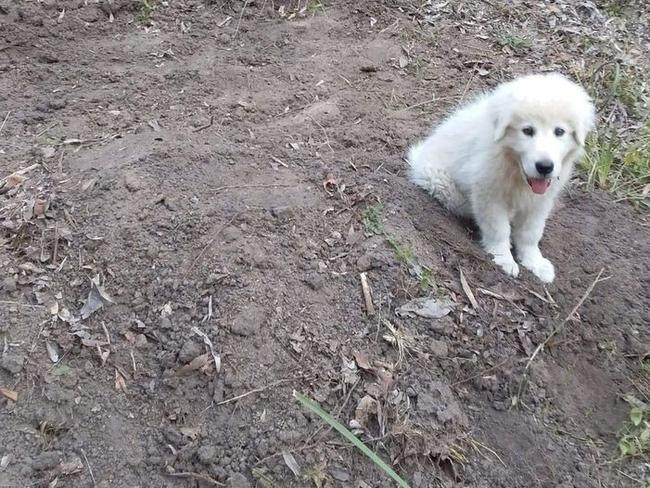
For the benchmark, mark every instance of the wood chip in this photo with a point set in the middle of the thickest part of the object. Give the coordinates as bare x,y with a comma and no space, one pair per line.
10,394
468,290
367,294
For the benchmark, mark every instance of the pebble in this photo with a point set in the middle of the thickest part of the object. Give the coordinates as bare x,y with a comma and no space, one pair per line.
248,321
12,362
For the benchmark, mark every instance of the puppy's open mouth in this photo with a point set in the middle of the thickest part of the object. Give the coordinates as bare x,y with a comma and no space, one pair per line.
539,185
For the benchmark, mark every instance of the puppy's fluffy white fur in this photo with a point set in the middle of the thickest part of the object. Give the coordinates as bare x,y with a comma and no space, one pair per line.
502,160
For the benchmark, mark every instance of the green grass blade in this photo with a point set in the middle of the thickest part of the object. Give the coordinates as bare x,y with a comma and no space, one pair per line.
315,408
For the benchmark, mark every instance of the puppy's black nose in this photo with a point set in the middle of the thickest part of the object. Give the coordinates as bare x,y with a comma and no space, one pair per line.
544,167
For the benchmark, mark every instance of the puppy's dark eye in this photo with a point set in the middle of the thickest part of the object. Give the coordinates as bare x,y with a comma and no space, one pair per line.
529,131
559,131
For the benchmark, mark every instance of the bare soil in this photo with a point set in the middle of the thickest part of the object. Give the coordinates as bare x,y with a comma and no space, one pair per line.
213,166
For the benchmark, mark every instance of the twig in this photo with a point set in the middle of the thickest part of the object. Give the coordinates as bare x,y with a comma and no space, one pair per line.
327,139
210,243
90,470
344,79
467,290
203,127
475,443
241,14
56,243
29,305
256,390
47,128
238,187
416,105
556,330
367,294
481,373
198,476
5,121
279,161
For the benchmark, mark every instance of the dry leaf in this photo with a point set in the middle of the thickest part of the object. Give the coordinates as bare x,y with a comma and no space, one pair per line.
97,298
468,290
430,308
40,207
196,363
71,466
362,360
349,371
166,310
120,382
89,184
366,407
52,351
65,315
10,394
330,184
208,342
290,461
14,180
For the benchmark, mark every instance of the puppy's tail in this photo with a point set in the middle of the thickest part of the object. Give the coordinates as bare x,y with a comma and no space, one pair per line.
436,180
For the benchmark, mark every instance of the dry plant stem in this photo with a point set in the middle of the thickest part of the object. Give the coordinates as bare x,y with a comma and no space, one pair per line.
256,390
5,120
239,187
203,127
367,294
90,470
558,328
241,14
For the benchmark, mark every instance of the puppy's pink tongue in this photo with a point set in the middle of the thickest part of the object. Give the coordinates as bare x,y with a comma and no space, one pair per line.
539,185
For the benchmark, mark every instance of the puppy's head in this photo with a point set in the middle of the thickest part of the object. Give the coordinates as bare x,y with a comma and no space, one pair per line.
543,120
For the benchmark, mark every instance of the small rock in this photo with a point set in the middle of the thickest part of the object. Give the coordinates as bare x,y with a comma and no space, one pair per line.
140,341
9,284
12,362
282,213
207,454
132,183
248,321
339,473
47,460
57,104
238,480
189,351
315,282
231,234
439,349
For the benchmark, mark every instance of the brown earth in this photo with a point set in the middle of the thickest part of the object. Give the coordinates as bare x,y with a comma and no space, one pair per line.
214,166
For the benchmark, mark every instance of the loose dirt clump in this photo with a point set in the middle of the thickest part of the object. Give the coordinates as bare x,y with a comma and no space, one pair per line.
190,192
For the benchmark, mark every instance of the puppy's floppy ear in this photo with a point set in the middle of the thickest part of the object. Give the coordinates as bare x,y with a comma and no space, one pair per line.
502,122
584,120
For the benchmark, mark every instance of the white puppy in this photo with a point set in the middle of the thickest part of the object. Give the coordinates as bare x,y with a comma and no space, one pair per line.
503,159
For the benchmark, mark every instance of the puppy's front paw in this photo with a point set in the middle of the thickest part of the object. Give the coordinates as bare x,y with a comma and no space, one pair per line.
508,264
541,267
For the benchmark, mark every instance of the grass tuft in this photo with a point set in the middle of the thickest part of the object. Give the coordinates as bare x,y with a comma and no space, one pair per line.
145,10
517,43
356,442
